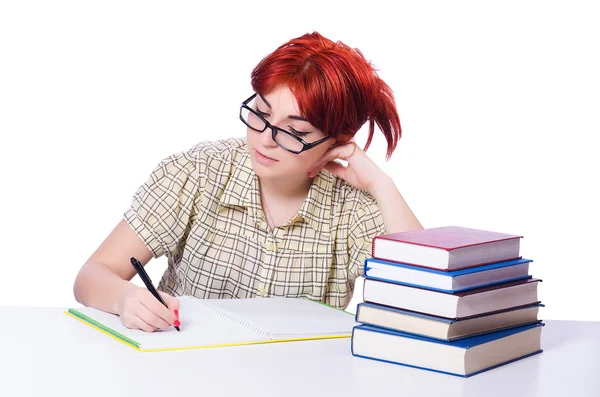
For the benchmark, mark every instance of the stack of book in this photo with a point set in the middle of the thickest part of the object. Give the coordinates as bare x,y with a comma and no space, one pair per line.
450,299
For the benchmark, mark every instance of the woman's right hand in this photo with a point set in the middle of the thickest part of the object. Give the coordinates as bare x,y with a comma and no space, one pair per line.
139,309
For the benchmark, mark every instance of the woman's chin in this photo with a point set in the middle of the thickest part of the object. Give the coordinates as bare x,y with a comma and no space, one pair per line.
263,171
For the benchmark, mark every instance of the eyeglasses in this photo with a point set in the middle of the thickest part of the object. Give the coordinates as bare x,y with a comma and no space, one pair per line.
284,139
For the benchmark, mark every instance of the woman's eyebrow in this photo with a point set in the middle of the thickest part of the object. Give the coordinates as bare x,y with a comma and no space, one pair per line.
293,117
265,101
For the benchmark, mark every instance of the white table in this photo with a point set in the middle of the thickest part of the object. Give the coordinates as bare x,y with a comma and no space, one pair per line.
44,352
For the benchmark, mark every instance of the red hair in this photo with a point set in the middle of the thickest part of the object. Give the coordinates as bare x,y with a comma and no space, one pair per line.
336,88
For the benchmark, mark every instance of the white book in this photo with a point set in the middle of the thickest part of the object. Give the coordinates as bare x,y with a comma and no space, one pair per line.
227,322
444,328
462,304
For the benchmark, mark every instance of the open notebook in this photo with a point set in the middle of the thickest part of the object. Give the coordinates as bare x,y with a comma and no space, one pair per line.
229,322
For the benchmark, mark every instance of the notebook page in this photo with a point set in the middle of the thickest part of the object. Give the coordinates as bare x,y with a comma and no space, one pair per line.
200,326
289,317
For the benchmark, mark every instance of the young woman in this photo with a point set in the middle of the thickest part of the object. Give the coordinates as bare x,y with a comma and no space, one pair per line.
271,214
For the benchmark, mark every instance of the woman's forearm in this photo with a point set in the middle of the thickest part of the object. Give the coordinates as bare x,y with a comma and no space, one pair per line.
98,286
397,216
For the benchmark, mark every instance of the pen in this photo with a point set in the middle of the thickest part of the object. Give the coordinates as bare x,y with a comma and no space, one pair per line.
144,276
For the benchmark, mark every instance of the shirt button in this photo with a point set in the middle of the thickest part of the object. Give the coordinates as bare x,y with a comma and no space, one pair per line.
262,292
271,247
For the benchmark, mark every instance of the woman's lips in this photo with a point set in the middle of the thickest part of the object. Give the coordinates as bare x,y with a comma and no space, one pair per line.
264,159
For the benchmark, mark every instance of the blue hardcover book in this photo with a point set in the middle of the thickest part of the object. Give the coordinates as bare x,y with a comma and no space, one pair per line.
431,326
464,357
447,281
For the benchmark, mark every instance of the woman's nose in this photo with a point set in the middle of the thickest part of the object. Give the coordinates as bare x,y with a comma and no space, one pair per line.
267,137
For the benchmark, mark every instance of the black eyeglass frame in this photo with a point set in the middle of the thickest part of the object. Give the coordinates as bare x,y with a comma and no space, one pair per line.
305,145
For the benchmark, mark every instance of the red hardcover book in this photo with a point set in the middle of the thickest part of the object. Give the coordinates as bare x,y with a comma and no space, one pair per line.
447,247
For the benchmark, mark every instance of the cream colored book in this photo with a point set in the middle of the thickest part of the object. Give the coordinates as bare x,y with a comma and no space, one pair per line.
229,322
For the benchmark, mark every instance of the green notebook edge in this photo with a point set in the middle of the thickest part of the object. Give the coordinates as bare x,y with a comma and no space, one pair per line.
103,327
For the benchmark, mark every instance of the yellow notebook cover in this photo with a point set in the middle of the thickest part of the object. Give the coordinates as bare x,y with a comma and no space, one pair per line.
207,323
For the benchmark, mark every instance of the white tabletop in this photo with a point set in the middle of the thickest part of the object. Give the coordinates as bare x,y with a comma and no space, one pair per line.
45,352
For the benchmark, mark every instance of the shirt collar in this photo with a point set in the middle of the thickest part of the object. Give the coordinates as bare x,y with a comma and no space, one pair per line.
242,190
242,186
316,209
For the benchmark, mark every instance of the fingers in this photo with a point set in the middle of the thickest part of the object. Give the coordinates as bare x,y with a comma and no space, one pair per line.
150,317
160,316
340,152
139,323
173,305
133,321
172,302
139,309
336,169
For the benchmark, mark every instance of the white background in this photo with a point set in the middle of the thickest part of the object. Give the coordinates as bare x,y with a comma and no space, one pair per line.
498,104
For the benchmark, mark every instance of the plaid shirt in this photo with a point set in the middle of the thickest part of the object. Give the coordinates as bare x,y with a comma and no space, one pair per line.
201,208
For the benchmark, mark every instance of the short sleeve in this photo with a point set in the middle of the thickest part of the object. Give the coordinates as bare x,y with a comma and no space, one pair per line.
367,222
161,208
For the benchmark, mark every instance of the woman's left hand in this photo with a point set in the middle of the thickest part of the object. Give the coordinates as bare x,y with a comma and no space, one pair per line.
361,172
